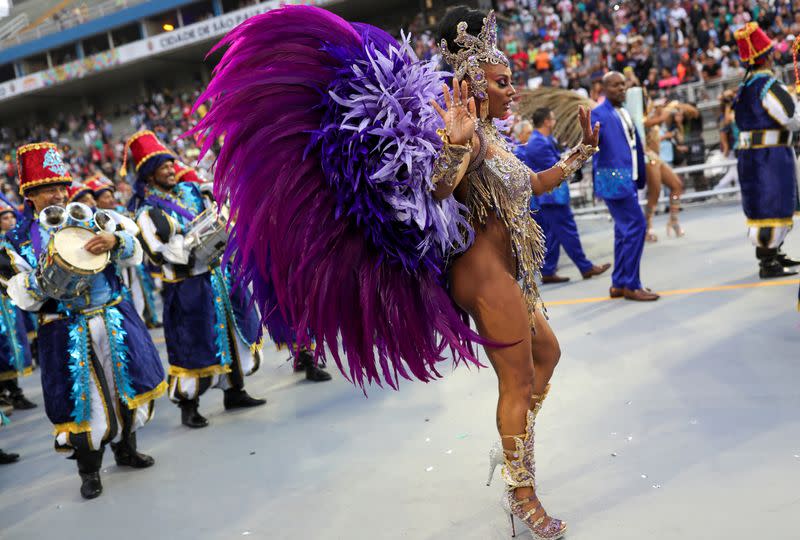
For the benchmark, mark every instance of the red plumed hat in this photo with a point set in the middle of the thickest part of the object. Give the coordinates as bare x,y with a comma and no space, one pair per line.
144,145
753,43
5,208
184,173
77,190
40,164
99,183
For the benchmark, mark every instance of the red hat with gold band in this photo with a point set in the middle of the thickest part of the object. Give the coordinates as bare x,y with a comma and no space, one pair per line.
144,146
40,164
99,183
753,43
77,190
6,208
184,173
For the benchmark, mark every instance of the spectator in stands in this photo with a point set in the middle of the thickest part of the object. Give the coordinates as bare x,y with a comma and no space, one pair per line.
666,56
728,138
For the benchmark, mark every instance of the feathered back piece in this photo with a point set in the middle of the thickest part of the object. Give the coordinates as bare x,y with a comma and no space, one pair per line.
564,103
328,155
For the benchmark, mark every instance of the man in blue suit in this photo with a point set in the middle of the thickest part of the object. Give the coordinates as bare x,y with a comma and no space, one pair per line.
553,212
619,169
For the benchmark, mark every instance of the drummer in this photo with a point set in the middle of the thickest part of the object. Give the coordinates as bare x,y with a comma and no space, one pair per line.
15,351
136,278
302,358
212,334
80,193
100,368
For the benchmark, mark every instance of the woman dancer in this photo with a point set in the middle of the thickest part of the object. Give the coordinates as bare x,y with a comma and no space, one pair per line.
658,173
496,188
380,187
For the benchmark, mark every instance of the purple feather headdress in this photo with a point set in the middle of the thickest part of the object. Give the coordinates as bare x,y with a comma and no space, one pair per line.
329,149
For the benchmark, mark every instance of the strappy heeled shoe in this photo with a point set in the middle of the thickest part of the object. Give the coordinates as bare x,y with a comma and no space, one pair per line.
519,472
496,454
650,236
541,528
673,225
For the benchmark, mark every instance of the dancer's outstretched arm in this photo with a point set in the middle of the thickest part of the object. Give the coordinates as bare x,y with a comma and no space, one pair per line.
545,181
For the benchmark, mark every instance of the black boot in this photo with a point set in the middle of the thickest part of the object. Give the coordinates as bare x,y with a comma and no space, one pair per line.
770,265
236,398
305,361
190,417
787,261
5,459
18,399
89,464
125,453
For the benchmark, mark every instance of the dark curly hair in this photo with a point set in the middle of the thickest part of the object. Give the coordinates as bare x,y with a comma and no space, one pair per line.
447,26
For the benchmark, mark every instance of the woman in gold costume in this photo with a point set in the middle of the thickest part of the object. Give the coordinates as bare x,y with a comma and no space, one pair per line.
493,280
659,172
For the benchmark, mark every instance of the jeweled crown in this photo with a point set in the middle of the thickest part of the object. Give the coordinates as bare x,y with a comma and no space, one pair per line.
474,51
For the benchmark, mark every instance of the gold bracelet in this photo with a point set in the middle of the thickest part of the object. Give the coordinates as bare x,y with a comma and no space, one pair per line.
579,155
446,139
448,163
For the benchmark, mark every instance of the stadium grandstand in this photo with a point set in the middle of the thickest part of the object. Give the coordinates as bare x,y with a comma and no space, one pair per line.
87,74
63,55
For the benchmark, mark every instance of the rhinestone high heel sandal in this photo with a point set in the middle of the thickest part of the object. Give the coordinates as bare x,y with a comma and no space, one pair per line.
519,472
650,236
496,453
673,225
496,459
541,528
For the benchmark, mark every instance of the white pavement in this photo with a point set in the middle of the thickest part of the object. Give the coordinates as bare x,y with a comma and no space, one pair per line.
677,419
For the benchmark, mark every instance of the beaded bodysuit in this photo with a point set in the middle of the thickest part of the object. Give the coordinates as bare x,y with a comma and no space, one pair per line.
500,183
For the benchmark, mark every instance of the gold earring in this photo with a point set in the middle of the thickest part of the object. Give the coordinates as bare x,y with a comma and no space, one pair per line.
484,109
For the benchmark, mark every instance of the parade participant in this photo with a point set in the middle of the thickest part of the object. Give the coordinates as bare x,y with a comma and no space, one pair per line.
619,169
137,279
100,369
184,173
766,115
212,332
349,202
6,458
80,193
553,212
15,352
302,357
659,172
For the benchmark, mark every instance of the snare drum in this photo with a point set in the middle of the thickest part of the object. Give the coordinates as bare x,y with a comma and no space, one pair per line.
207,236
66,268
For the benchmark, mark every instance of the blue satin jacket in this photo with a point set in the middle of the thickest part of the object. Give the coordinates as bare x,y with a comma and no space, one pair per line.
612,166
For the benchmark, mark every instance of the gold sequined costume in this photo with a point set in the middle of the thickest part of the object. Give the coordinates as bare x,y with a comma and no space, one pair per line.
500,183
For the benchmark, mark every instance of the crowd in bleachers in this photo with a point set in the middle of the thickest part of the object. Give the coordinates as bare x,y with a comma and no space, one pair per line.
91,143
665,43
660,44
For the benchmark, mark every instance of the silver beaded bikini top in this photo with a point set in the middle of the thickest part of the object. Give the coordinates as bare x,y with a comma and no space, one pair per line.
499,183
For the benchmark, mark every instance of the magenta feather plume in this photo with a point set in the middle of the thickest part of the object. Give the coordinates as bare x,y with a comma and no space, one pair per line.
328,152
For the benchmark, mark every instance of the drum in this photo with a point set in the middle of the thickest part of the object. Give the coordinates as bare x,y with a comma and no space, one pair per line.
66,268
207,236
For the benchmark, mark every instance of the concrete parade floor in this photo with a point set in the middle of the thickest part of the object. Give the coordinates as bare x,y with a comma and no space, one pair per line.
674,419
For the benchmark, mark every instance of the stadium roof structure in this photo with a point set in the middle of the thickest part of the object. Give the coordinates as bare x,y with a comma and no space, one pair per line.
45,83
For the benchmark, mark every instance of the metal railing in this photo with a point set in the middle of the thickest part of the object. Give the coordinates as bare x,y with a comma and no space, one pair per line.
706,94
76,14
13,26
686,196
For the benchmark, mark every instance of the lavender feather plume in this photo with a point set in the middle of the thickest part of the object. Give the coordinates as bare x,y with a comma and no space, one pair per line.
328,154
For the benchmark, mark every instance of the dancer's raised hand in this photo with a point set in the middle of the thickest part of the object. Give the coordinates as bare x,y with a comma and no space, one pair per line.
459,113
590,136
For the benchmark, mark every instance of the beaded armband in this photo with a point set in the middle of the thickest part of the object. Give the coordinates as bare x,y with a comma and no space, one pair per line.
579,155
449,161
